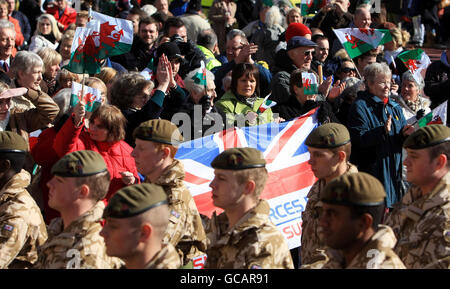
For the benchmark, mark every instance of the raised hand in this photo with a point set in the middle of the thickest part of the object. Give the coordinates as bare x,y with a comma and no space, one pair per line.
79,112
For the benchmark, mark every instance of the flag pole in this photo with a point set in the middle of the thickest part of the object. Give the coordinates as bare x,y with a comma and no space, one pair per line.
357,71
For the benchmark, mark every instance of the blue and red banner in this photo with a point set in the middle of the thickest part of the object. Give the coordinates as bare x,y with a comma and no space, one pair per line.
290,175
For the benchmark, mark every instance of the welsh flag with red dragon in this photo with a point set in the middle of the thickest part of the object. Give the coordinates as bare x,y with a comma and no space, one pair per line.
103,37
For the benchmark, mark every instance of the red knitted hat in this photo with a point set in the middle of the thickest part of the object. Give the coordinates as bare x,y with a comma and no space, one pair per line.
296,29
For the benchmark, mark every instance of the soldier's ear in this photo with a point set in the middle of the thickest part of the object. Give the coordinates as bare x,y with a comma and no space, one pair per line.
146,232
366,221
5,165
342,156
250,187
84,191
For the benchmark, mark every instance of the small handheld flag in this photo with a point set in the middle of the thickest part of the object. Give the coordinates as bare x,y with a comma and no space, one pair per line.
310,83
91,96
266,104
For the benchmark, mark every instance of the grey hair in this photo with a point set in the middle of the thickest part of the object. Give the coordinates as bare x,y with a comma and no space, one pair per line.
408,76
6,24
190,85
25,61
372,70
207,38
149,9
236,32
62,99
273,17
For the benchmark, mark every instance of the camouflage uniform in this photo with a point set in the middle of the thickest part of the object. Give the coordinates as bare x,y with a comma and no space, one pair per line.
253,242
313,246
22,228
79,246
185,231
376,254
167,258
422,226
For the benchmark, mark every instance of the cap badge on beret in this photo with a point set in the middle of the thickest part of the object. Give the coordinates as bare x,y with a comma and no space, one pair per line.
75,166
235,160
328,139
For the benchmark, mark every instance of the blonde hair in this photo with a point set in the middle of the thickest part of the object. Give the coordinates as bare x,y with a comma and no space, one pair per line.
106,74
49,56
400,37
292,11
55,30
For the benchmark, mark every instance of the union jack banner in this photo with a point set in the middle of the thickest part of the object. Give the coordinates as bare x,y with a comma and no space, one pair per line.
290,175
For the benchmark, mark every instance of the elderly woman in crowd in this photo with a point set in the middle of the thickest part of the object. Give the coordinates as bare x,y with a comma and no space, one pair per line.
240,104
105,136
204,119
51,60
132,93
47,33
26,70
378,128
414,106
267,37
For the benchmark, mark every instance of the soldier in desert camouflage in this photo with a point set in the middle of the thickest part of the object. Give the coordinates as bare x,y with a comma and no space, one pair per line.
329,149
136,221
22,228
421,221
352,209
243,237
79,184
156,145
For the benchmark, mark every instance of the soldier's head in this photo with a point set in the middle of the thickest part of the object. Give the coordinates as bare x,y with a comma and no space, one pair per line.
352,209
137,217
428,156
157,142
329,149
239,175
13,149
80,179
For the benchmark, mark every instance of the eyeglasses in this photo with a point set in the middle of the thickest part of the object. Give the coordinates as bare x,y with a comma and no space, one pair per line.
309,53
348,69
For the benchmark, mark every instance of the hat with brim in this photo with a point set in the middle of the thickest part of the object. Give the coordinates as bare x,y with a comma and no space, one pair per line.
299,41
13,92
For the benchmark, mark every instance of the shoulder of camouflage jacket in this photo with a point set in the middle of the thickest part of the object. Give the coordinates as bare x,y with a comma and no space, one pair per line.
22,227
253,242
166,258
378,252
79,246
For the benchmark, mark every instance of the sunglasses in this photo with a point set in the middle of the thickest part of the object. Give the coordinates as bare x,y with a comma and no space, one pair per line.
348,69
309,53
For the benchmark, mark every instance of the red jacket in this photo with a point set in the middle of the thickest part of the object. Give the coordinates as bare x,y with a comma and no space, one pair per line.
117,155
45,156
68,17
